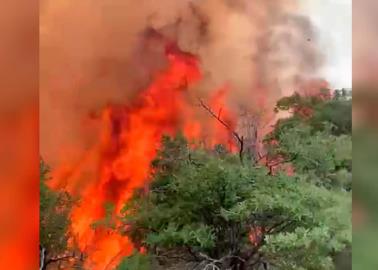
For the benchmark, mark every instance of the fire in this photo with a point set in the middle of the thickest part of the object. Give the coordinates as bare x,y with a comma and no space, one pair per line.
129,139
256,235
128,143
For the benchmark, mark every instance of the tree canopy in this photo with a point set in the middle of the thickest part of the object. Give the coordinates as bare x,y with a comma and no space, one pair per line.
54,211
319,144
208,209
211,210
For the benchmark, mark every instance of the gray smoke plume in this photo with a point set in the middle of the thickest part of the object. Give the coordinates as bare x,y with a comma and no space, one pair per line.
96,52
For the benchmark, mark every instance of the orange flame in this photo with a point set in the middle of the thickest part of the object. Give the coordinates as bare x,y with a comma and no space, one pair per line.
129,140
256,235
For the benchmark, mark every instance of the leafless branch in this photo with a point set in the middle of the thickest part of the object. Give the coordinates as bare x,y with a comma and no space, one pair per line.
212,264
219,113
277,225
56,259
239,138
282,162
260,157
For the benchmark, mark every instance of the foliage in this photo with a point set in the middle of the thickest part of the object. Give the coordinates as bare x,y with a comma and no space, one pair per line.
206,207
317,112
336,112
321,156
234,216
319,145
54,210
365,216
135,262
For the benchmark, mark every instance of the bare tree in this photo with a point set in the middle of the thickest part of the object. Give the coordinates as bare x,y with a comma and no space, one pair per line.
239,139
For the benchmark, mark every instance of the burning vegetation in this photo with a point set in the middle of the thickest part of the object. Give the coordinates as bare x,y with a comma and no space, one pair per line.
120,80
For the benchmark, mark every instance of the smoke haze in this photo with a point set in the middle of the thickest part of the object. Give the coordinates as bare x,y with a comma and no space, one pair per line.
95,53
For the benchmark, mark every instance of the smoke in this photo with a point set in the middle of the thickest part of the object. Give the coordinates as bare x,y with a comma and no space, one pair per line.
95,53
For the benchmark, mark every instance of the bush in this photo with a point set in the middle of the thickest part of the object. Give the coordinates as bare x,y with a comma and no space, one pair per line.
210,209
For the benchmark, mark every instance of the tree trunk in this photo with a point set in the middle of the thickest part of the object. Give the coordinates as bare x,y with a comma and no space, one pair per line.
42,258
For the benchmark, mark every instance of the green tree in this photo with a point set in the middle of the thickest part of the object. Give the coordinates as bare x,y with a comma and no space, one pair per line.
209,209
319,144
317,112
54,221
318,156
136,261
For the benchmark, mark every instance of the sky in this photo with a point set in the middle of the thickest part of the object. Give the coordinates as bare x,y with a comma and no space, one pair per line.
333,19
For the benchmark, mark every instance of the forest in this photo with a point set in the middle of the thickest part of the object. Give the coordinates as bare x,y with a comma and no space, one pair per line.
288,207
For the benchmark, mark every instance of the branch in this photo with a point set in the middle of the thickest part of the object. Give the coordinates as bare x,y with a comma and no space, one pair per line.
287,225
192,161
271,229
283,161
57,259
261,157
209,263
214,262
219,113
270,166
42,256
239,138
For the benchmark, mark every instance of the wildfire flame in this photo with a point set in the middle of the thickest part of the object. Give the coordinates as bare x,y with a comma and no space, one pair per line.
130,138
242,54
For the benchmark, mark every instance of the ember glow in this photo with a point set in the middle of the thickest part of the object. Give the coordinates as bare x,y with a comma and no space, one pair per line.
130,138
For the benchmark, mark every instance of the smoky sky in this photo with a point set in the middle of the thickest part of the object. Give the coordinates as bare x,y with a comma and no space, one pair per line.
94,53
